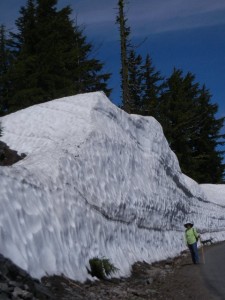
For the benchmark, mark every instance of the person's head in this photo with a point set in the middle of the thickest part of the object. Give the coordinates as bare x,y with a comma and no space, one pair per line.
188,225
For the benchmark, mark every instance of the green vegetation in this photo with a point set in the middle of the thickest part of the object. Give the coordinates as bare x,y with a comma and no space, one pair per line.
191,127
49,58
101,267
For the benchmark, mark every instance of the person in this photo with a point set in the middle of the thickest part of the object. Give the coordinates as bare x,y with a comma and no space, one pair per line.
191,238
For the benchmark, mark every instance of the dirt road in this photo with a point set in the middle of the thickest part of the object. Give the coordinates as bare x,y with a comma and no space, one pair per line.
197,282
177,279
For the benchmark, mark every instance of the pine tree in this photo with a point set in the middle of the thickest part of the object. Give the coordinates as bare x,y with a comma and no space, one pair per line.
52,57
190,126
135,78
124,50
152,88
87,76
177,115
5,60
24,41
22,74
208,159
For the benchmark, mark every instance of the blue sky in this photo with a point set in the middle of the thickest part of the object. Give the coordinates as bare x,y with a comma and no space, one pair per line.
177,33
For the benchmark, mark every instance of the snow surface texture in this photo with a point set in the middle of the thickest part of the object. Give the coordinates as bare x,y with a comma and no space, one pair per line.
95,182
215,193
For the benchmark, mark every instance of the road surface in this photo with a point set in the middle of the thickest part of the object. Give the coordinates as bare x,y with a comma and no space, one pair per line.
213,271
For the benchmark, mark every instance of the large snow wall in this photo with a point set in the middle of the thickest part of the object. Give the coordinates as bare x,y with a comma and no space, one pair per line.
96,181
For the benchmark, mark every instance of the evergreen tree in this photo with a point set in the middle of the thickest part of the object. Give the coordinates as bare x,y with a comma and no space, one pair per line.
208,159
5,59
24,41
140,83
52,57
23,72
87,76
178,117
190,126
124,50
152,88
135,78
176,103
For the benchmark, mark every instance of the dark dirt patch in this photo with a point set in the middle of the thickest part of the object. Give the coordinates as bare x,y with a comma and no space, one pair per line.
8,156
185,282
17,284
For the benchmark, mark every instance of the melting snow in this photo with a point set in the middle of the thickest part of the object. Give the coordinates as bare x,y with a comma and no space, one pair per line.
95,182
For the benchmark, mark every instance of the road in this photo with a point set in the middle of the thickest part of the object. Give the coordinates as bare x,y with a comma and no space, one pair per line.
213,271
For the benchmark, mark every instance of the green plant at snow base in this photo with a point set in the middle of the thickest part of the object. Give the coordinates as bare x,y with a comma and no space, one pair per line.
101,267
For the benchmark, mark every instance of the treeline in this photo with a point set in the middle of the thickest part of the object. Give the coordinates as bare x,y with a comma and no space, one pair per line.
48,57
181,104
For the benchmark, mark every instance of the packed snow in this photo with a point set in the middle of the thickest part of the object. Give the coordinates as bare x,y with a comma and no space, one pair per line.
214,193
96,181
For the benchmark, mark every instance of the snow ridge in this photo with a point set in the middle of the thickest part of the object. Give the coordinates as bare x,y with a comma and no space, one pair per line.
95,182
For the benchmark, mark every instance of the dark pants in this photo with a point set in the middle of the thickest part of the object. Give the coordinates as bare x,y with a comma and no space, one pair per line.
194,253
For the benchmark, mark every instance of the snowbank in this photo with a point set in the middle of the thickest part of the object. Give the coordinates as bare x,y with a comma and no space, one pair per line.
95,182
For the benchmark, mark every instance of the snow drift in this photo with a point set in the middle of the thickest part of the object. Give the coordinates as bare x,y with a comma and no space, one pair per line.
95,182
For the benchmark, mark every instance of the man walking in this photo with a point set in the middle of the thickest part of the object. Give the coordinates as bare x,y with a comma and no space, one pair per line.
191,237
